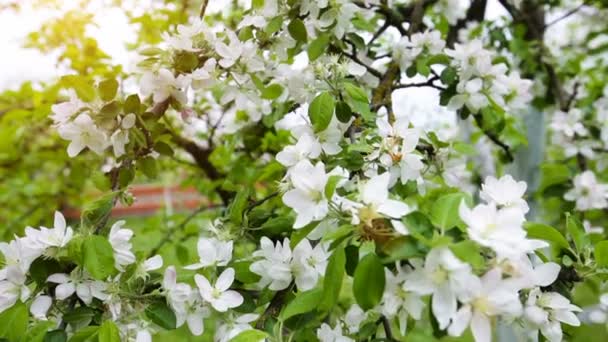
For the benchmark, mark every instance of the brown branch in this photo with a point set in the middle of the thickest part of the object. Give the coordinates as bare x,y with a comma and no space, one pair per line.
494,138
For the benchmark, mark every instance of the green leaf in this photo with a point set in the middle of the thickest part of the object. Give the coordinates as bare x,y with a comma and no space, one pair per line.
249,336
38,331
161,314
132,105
469,252
13,322
356,93
83,87
98,257
235,212
107,89
108,332
85,334
331,185
332,283
449,75
577,232
148,166
343,111
369,281
318,46
321,111
272,92
274,25
601,253
352,259
96,212
303,302
163,148
546,233
80,316
444,212
55,336
297,30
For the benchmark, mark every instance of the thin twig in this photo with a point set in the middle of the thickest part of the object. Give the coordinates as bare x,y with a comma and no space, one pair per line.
566,15
203,8
181,225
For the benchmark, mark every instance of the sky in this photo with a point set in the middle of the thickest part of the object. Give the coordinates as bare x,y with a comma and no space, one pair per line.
112,31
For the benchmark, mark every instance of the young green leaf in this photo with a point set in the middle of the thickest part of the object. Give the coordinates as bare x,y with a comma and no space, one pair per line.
369,281
321,111
332,283
317,47
98,257
108,332
297,30
444,212
107,89
13,322
159,313
303,302
601,253
249,335
577,232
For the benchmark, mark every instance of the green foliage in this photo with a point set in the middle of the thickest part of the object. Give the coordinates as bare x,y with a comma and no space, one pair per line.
368,293
98,257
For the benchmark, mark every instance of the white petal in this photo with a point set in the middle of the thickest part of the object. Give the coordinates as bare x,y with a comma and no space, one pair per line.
195,324
40,306
65,290
394,208
225,279
481,328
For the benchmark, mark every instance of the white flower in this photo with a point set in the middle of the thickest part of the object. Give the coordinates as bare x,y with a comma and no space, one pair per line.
545,310
307,198
58,236
483,299
82,132
499,229
229,53
230,326
176,293
19,253
353,318
119,239
326,334
192,312
163,85
569,124
120,137
86,289
589,229
40,306
504,192
399,300
308,264
153,263
376,203
307,147
62,112
587,192
275,265
212,252
204,77
12,287
143,336
218,295
469,94
444,276
526,275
